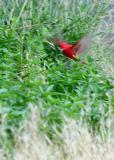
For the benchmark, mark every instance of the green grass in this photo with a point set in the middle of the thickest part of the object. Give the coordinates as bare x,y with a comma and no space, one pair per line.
32,71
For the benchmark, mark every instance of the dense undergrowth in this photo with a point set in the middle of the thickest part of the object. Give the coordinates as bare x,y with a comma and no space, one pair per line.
33,70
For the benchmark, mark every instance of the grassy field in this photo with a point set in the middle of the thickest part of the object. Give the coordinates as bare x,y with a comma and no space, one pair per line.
35,74
75,141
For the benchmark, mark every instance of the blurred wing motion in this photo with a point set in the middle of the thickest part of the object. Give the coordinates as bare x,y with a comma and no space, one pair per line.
72,50
82,45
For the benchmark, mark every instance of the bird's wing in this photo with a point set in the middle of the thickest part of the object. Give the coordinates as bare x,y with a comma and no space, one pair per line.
82,45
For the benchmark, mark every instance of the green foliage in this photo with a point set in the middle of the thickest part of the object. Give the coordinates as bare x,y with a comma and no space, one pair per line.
73,19
19,70
75,89
34,71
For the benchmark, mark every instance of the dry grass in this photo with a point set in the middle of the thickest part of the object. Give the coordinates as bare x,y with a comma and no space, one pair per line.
76,142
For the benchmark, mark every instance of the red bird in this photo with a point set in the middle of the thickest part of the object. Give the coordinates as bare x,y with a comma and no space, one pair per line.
71,50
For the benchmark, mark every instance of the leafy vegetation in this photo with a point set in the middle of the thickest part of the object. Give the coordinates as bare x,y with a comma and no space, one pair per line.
33,70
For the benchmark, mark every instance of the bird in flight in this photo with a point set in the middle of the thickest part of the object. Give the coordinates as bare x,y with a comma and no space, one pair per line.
72,50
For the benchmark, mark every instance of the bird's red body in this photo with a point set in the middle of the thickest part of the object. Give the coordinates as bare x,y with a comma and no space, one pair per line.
67,50
72,50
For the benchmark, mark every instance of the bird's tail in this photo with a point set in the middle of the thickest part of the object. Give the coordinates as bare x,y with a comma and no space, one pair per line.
57,41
